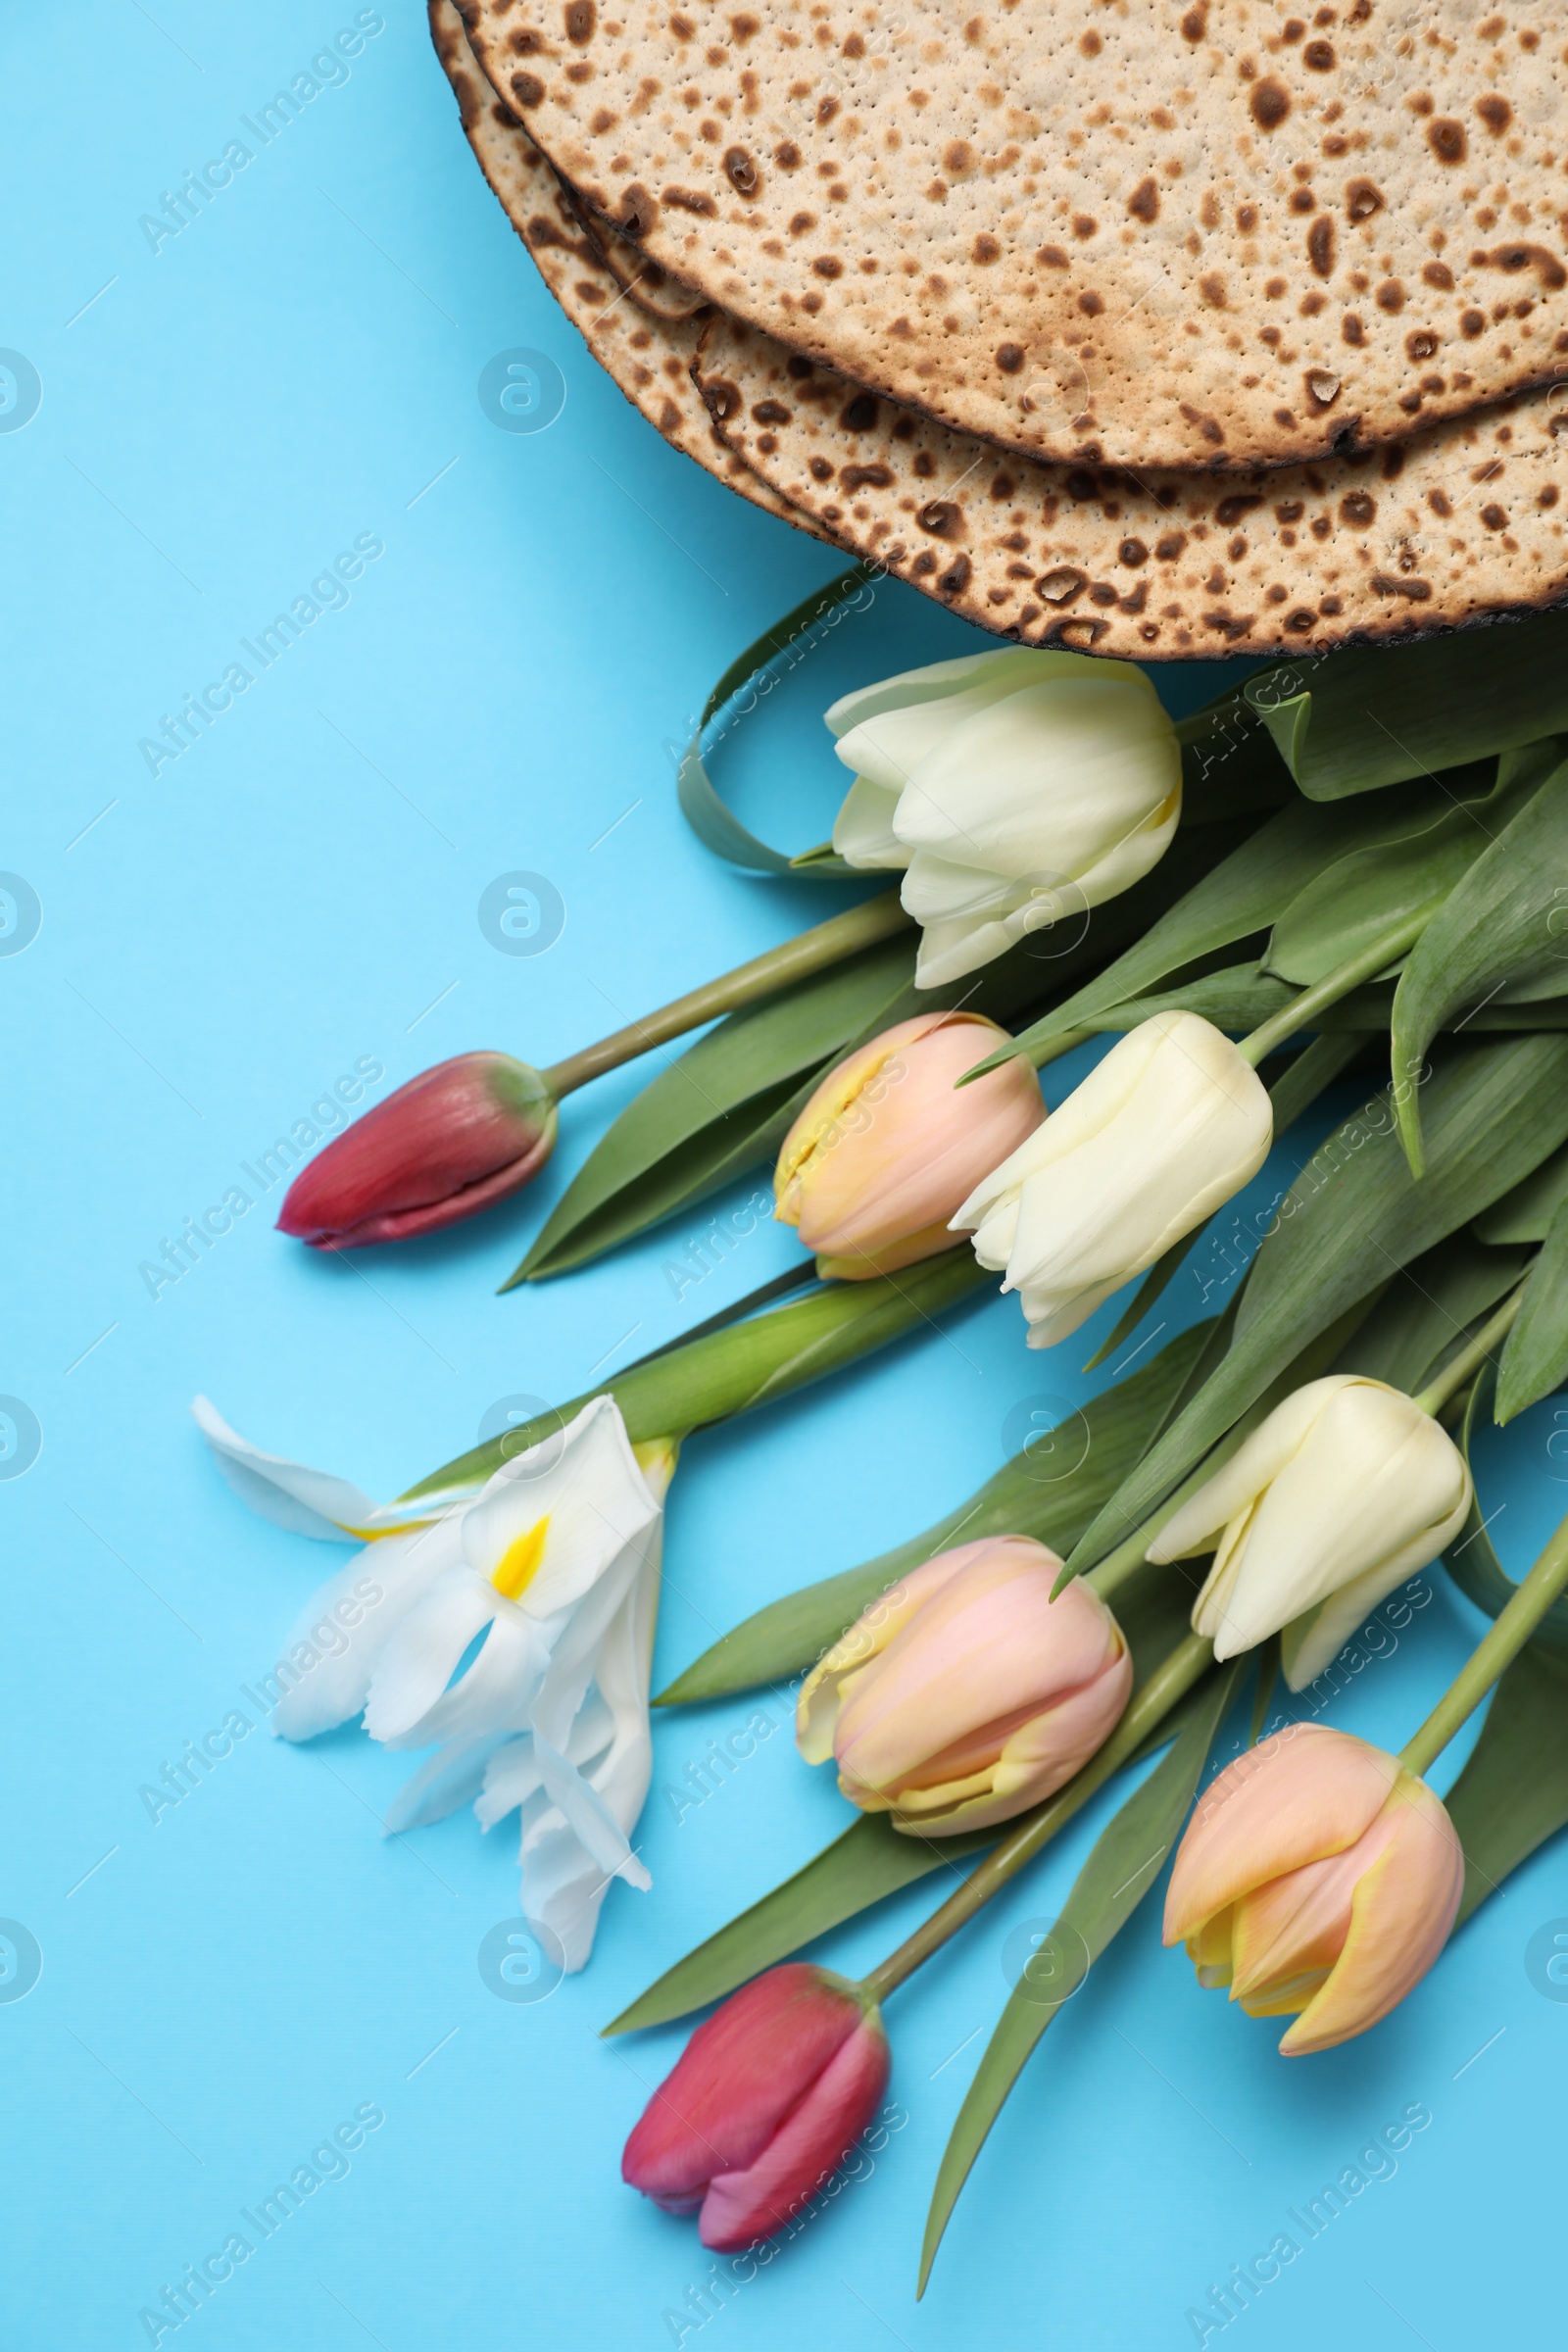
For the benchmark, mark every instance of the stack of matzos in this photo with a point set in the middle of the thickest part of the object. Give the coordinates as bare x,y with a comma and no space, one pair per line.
1144,328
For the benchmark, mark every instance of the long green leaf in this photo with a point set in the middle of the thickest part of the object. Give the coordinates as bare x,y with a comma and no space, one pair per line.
1513,1791
1352,1218
1243,896
1121,1869
747,1365
1534,1354
1356,721
1049,1491
1525,1214
1494,928
870,1859
1470,1558
1348,906
1428,1307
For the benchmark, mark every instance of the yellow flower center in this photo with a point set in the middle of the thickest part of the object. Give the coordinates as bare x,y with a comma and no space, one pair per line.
519,1562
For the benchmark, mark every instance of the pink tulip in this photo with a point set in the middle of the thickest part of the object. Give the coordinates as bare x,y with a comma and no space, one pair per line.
455,1140
879,1160
1317,1876
767,2098
966,1694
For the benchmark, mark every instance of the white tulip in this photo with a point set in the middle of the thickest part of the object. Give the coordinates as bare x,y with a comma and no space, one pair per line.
1346,1488
1013,789
555,1561
1165,1128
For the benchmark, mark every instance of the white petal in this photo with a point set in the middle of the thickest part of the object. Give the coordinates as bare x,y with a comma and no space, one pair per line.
377,1588
1019,664
454,1776
1313,1642
1238,1483
587,1484
510,1778
863,830
307,1503
425,1649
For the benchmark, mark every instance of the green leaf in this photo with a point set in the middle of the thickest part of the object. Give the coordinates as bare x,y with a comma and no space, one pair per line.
1428,1310
714,824
719,1108
1534,1354
1526,1213
747,1365
1120,1870
1494,928
872,1859
1470,1558
1345,907
1513,1791
1355,721
1241,897
1352,1218
1050,1490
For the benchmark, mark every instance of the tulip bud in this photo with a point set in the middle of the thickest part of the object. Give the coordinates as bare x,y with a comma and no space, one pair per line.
1165,1128
455,1140
1317,1876
1015,789
770,2095
1347,1487
967,1695
884,1151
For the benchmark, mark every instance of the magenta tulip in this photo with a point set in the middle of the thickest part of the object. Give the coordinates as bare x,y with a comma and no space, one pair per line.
454,1141
770,2095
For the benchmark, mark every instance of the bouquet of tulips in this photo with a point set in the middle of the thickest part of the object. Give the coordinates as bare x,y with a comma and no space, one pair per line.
1346,878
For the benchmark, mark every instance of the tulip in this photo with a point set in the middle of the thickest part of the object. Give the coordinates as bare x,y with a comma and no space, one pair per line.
767,2097
455,1140
1165,1128
555,1562
1320,1880
967,1695
1013,788
885,1151
1346,1488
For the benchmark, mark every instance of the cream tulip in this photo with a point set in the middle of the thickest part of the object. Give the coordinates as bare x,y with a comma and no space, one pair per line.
1013,789
1346,1488
1162,1132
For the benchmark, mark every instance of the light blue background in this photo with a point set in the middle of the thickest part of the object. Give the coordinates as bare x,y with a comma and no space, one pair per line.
221,1988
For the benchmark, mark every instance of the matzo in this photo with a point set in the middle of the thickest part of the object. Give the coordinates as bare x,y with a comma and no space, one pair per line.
1461,523
1206,234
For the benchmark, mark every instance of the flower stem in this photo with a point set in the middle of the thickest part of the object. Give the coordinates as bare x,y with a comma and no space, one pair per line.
1469,1360
1166,1685
813,951
1384,951
1498,1650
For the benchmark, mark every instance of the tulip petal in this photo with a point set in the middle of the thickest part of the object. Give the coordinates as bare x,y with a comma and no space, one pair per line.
307,1503
1238,1483
1299,1795
1400,1918
1021,665
375,1590
816,1710
888,746
1314,1641
743,2206
863,830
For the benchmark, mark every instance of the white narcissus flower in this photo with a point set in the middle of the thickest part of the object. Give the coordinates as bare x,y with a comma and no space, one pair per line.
1346,1488
555,1563
1014,790
1160,1133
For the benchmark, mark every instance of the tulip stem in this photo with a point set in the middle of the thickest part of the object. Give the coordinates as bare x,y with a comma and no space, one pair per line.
813,951
1170,1683
1385,950
1455,1375
1497,1650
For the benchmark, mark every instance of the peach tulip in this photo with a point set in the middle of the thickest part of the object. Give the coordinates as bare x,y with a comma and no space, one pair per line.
1318,1878
965,1694
878,1161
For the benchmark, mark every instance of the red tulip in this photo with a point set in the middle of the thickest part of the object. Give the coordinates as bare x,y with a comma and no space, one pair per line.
768,2096
455,1140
